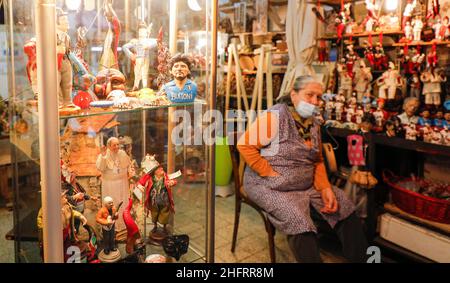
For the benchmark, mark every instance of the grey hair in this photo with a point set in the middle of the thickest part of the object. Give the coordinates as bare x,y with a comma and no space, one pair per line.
408,100
109,141
300,83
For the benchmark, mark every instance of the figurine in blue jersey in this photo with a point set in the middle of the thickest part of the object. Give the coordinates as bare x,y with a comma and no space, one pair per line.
181,89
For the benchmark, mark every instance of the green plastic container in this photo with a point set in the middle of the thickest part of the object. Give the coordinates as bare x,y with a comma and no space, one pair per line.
224,166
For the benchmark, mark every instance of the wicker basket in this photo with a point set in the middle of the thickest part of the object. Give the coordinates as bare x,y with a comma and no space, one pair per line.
426,207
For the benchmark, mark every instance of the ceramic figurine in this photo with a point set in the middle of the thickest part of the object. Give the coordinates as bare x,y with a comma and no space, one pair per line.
408,31
446,122
380,57
437,27
359,115
368,53
363,79
445,134
411,132
114,164
432,86
425,118
158,195
64,74
417,28
107,217
436,137
427,131
181,89
30,50
339,106
371,17
109,58
444,29
380,114
410,107
329,107
350,59
417,60
439,118
345,81
407,13
432,59
389,81
390,129
350,111
138,50
366,102
415,86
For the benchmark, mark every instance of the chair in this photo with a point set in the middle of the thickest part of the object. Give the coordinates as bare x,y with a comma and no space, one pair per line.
337,176
241,197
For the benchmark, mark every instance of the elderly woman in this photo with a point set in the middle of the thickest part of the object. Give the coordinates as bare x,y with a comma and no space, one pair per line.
286,175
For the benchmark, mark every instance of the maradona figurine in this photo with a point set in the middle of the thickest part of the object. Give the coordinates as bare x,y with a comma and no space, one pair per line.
181,89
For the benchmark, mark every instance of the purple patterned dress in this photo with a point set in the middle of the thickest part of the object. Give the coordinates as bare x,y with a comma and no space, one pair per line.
287,198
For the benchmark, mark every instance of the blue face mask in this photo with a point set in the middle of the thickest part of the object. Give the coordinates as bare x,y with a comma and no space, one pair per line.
306,110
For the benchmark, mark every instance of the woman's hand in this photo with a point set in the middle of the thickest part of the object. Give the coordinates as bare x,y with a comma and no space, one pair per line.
329,201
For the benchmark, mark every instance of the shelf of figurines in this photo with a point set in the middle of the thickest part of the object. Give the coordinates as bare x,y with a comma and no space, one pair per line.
362,34
396,142
104,107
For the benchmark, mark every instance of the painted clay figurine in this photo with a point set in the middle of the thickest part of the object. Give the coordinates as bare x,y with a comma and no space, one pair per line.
109,58
417,28
389,81
432,86
408,31
64,74
411,132
181,89
138,50
107,217
407,13
410,107
363,79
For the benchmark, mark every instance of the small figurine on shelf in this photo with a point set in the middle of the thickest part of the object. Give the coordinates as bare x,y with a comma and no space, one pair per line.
64,66
352,101
368,53
181,89
437,27
109,58
350,112
329,107
410,107
438,120
350,59
408,31
390,129
426,132
345,80
359,114
363,79
436,137
432,59
158,195
371,18
339,106
446,122
380,115
366,102
407,13
380,57
432,80
30,50
444,29
389,81
417,60
445,134
141,54
347,17
107,217
415,86
425,117
411,132
417,28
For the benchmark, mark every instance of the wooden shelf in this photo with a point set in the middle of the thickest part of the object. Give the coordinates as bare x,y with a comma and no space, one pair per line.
423,43
364,34
251,33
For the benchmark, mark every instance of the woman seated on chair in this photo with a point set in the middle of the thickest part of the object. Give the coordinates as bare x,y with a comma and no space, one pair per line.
287,178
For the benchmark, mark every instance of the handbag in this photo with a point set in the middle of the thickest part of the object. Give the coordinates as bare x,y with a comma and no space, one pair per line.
363,179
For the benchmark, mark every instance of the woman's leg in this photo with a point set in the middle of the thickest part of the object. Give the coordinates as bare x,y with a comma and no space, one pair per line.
305,247
351,234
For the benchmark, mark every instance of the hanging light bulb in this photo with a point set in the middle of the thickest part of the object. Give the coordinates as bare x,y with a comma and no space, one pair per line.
194,6
73,5
391,5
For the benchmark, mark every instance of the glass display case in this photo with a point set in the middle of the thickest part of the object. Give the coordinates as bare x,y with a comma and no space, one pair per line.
111,76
